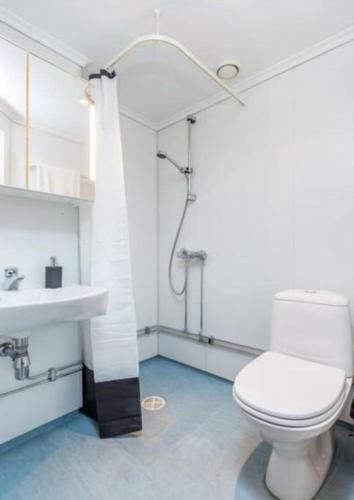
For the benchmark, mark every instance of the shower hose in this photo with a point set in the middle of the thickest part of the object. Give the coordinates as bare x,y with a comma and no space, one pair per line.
170,277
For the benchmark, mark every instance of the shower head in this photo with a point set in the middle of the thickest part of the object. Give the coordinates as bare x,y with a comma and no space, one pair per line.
164,156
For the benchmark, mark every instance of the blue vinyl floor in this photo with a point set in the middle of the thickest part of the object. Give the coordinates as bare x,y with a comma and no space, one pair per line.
198,447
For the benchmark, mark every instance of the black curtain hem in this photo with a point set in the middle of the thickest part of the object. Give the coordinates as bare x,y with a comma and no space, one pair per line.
114,405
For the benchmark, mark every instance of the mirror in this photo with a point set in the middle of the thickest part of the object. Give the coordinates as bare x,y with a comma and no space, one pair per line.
44,126
58,132
12,115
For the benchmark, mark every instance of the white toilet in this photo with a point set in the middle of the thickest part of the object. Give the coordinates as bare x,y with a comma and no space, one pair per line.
294,393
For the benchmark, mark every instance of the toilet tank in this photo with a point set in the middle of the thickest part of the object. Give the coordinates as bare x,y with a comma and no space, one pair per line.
313,325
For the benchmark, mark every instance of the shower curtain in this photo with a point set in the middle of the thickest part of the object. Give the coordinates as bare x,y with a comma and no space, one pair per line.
111,378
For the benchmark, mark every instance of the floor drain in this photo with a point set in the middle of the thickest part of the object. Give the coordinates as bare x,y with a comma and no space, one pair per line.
153,403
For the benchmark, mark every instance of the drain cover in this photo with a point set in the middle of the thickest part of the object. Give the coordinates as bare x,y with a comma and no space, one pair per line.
153,403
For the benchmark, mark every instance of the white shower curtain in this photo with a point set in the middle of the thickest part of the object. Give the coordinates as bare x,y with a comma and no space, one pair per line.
111,383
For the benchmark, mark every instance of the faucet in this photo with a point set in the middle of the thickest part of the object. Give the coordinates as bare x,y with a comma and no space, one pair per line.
12,279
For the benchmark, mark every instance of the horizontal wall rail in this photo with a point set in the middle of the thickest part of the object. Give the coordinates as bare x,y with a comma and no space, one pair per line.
51,375
204,339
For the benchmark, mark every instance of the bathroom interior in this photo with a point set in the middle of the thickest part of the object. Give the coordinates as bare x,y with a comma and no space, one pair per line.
177,249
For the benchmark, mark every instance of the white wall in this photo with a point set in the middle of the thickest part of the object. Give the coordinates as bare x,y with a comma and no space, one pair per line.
139,155
31,231
275,208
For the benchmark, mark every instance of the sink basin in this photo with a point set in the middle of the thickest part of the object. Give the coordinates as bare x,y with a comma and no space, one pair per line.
23,311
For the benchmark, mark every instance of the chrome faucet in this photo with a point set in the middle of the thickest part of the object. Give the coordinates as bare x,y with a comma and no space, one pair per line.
12,279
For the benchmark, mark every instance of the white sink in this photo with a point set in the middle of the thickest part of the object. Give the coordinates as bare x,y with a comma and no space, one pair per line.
23,311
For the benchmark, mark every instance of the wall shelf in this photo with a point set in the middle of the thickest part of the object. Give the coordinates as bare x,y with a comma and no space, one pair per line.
37,195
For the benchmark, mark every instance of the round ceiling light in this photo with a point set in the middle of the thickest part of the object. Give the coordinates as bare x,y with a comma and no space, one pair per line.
227,70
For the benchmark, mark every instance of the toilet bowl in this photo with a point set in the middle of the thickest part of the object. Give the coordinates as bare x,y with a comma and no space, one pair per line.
293,394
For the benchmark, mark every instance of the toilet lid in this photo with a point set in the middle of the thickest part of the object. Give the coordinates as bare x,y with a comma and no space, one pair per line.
287,387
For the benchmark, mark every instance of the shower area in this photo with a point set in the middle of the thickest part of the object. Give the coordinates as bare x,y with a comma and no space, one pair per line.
224,200
187,256
175,278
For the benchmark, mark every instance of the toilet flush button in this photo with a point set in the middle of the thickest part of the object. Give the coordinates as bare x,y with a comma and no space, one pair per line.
310,291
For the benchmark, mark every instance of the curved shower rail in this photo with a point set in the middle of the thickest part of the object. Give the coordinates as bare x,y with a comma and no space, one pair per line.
174,43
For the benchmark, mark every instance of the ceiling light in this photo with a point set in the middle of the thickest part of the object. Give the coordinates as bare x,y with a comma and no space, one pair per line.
227,70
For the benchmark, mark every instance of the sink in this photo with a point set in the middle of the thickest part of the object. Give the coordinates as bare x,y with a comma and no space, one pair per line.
23,311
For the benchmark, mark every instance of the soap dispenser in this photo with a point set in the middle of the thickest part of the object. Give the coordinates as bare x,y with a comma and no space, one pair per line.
53,274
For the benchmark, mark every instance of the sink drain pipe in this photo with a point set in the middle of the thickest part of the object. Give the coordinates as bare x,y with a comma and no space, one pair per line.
17,350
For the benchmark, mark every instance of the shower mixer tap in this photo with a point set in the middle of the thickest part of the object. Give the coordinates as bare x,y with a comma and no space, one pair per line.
192,254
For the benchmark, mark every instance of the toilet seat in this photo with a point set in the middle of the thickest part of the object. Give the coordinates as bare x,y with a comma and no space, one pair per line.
288,391
294,423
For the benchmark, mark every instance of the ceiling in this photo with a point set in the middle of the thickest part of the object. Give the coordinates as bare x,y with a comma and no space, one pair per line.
157,82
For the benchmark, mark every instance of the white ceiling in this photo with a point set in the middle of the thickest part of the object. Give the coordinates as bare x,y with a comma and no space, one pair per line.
157,82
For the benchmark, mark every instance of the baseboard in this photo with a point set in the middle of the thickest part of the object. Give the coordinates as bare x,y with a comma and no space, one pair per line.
218,361
147,346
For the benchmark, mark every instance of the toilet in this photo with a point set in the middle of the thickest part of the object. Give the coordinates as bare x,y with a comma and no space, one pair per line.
293,394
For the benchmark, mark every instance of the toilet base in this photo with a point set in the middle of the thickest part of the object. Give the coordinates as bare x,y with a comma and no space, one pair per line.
297,470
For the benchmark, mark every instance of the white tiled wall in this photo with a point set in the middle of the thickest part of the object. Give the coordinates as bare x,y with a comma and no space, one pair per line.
218,361
139,152
148,346
275,183
182,350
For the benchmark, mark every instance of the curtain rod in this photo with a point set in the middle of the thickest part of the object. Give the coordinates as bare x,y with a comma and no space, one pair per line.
174,43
